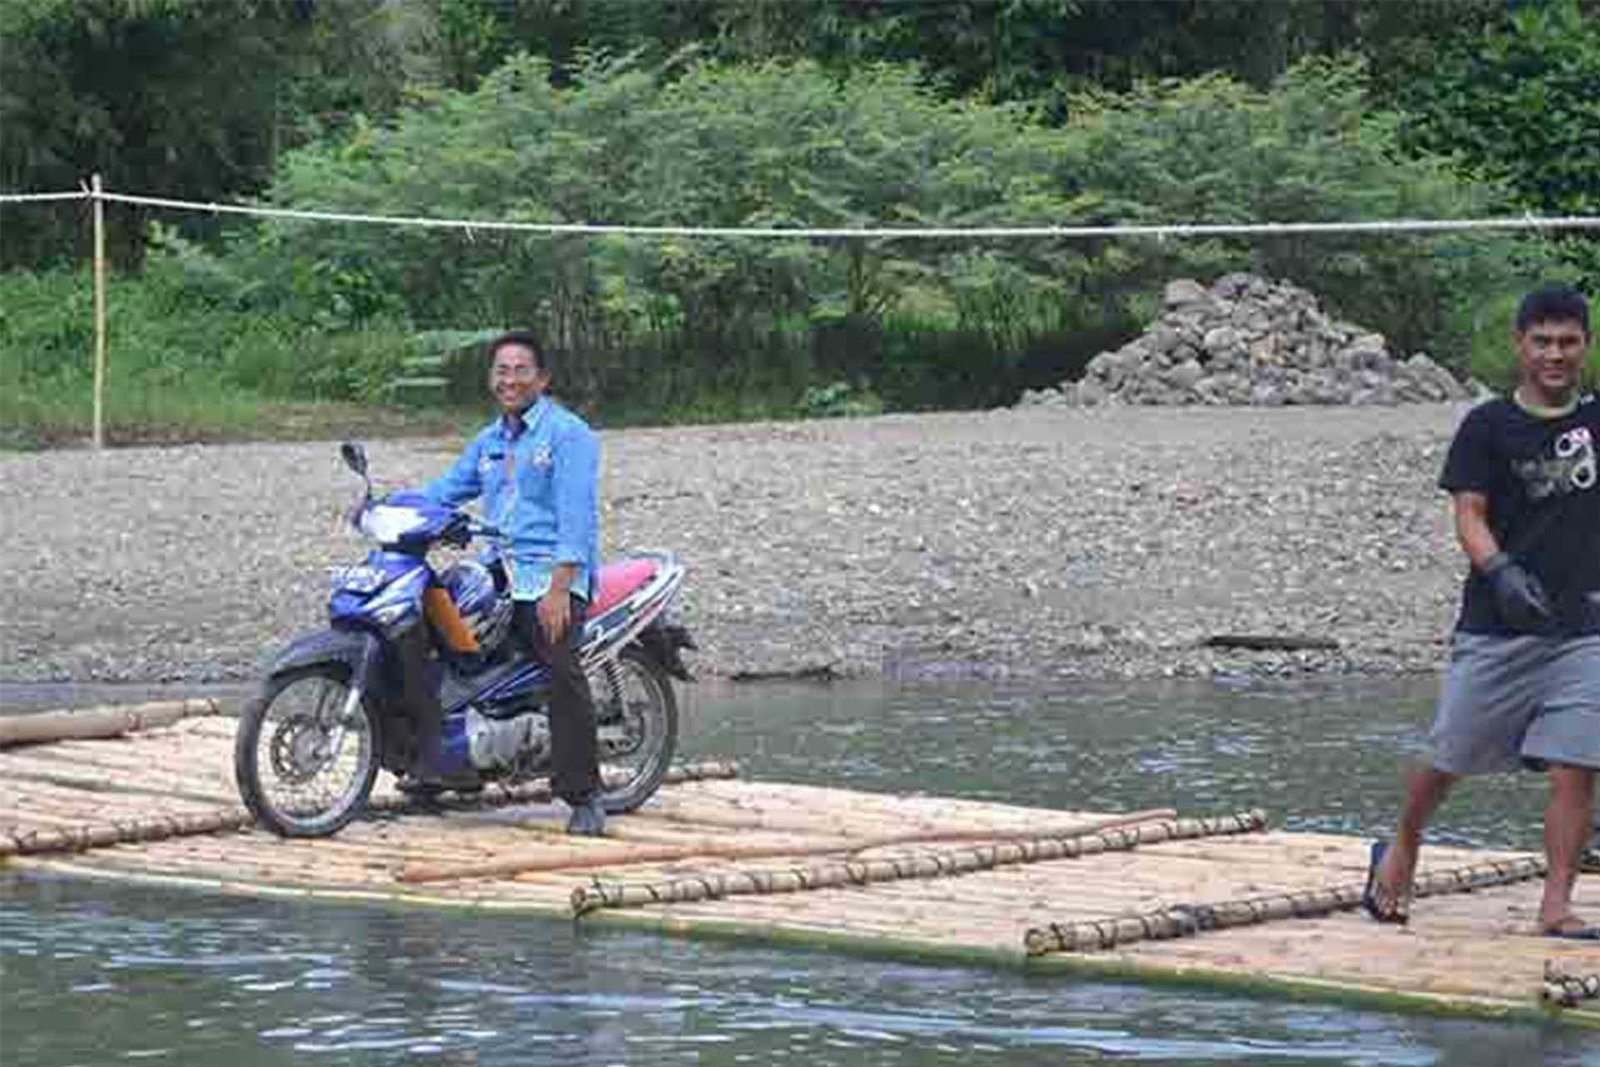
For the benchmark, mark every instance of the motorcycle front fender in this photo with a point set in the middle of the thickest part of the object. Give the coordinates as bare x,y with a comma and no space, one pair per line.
357,649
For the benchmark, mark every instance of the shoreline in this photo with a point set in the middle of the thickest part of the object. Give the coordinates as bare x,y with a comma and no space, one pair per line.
1015,543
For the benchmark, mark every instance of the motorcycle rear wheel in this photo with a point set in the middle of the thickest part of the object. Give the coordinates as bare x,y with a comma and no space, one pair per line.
288,777
636,714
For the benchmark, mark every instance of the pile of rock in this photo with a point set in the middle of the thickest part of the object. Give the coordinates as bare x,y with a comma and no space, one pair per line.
1250,341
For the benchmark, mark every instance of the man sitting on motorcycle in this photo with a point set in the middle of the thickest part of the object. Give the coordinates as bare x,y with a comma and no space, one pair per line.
536,468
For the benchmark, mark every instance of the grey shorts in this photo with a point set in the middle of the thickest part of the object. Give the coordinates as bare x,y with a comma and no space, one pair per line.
1518,701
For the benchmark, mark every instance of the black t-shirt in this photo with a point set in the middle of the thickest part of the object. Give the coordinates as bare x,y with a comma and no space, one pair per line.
1540,477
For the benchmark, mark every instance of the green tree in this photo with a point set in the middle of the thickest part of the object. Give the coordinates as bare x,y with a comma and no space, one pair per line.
1314,148
175,98
1520,102
789,144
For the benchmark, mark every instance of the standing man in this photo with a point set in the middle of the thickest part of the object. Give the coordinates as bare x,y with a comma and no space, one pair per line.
536,467
1523,682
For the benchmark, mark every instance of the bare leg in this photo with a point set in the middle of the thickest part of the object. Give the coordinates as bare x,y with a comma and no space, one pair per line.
1566,831
1426,789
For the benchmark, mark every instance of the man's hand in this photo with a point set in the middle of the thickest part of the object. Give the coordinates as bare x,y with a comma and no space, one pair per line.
1518,593
555,614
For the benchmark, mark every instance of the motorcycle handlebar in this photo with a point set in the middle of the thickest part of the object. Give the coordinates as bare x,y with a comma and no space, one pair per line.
459,533
483,529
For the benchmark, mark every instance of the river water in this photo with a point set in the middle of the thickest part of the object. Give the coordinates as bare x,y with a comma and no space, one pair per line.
92,973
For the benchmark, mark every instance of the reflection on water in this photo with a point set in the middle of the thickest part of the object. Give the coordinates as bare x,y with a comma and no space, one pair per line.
92,973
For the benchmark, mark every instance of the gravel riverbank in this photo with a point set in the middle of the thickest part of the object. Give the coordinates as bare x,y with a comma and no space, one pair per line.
1110,542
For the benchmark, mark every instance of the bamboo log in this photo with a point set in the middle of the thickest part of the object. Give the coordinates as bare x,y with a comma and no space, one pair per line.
629,855
99,722
926,865
123,831
1567,990
842,815
156,827
940,837
1186,920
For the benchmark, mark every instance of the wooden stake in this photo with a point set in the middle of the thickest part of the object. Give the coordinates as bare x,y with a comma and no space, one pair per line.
99,314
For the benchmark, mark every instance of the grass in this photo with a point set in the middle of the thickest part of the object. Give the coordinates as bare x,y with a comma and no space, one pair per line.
183,367
60,414
142,413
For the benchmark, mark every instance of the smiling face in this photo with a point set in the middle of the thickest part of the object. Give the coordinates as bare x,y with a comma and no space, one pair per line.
517,377
1550,355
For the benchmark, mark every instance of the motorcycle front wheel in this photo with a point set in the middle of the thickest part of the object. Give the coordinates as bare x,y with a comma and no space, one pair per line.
305,757
636,717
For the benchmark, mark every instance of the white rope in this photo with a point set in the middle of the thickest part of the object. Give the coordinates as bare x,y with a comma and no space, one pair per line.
1522,222
31,198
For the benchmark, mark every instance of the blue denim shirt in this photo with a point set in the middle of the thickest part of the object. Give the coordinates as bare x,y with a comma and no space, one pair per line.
540,488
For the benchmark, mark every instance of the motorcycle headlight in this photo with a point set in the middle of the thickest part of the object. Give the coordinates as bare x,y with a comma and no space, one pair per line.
388,523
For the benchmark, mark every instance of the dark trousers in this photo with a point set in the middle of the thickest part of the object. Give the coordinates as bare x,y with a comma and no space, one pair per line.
574,772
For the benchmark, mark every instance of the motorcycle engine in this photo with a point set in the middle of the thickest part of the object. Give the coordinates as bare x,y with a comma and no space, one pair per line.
498,744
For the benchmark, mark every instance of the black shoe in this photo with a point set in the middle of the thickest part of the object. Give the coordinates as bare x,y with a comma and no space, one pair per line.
428,786
588,818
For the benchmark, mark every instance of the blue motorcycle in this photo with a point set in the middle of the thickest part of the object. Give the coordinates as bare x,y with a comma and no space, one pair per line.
341,703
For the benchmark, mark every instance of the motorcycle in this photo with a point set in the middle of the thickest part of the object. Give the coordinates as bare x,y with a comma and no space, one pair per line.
341,703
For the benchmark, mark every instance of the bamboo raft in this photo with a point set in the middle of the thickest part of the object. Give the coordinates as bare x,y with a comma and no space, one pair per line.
147,795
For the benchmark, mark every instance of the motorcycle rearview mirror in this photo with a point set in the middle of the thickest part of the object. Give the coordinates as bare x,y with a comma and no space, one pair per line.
354,456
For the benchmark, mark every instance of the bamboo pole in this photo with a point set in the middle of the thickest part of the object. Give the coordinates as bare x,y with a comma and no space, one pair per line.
1185,920
99,313
925,865
99,722
754,812
633,855
940,837
157,827
123,831
1567,990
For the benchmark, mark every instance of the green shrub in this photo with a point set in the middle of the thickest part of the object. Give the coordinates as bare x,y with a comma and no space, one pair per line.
667,328
1517,102
1315,149
839,400
178,357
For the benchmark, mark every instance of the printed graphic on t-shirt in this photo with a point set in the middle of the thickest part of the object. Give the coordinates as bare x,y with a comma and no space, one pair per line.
1572,467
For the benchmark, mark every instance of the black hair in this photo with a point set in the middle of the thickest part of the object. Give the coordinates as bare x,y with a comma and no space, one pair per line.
1553,303
522,338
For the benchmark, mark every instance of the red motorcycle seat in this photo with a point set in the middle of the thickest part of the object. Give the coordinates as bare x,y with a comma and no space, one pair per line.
618,581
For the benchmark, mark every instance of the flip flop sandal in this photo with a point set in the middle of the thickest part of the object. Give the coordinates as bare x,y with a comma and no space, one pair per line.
1580,932
1383,906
